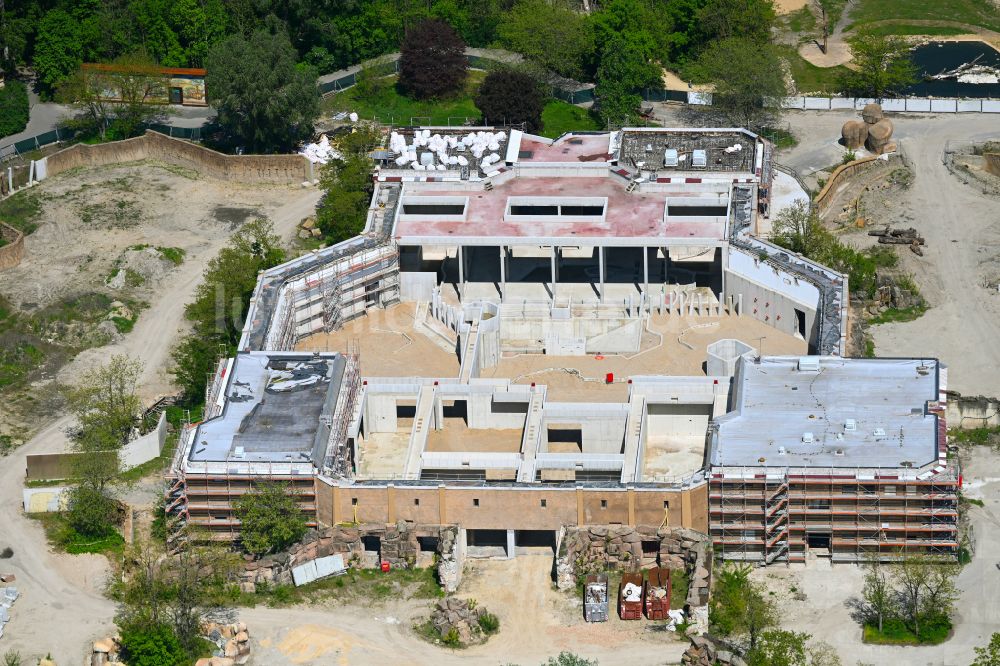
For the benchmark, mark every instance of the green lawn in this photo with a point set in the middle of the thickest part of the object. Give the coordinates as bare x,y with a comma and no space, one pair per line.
895,632
808,77
981,13
560,117
391,107
899,315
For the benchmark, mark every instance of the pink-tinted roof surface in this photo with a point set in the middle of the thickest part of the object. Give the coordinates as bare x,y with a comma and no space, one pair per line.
571,148
628,214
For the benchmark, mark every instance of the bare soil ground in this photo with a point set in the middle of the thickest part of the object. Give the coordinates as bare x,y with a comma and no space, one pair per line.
536,622
110,243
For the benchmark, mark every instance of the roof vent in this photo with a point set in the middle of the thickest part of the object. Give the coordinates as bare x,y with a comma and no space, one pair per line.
699,159
781,451
809,364
807,438
838,452
879,434
850,425
239,452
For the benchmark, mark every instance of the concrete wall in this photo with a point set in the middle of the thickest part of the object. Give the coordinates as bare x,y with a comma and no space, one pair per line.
970,412
250,169
11,253
599,335
49,466
838,178
416,286
512,507
44,500
770,295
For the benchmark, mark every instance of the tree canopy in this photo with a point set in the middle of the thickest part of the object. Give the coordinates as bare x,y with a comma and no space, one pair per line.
265,101
270,519
883,66
432,60
749,82
511,96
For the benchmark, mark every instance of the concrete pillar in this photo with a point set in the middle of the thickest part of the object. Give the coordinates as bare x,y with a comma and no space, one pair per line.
439,409
600,270
442,510
554,272
337,519
390,503
461,273
645,274
503,272
511,544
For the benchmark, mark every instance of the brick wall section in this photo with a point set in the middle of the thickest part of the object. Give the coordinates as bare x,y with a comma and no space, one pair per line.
11,253
249,169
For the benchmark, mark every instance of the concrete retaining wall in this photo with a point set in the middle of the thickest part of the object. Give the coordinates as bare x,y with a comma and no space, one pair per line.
250,169
11,253
993,163
840,175
970,412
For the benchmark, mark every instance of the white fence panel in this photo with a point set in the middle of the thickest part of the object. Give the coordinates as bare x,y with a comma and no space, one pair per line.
944,105
894,105
793,103
817,103
701,98
841,102
991,106
965,105
860,102
918,104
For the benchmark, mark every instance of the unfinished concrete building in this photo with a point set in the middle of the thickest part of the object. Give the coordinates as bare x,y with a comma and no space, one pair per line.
529,334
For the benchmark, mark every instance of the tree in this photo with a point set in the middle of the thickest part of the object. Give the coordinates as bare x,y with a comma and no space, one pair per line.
91,512
779,648
882,66
59,49
748,78
270,519
550,33
13,108
623,72
877,594
740,608
221,301
347,186
990,654
511,96
747,19
265,102
128,94
798,229
106,405
432,60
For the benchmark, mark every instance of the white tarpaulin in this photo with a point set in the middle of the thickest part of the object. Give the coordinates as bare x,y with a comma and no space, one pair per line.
318,568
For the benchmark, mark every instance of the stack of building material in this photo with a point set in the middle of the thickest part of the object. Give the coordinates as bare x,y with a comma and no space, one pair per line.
8,595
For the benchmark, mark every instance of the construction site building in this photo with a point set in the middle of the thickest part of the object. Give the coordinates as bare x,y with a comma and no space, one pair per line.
529,334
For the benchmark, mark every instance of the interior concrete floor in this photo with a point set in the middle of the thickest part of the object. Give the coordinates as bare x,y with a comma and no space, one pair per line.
456,437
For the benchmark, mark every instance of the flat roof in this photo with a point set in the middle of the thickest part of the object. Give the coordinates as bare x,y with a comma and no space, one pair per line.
782,416
567,148
277,408
636,215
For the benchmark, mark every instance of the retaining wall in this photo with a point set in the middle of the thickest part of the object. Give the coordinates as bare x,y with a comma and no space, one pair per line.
250,169
993,163
840,174
971,412
11,253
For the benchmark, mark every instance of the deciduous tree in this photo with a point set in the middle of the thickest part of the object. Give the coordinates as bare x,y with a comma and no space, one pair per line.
511,96
747,19
550,33
748,78
270,519
882,66
432,60
266,103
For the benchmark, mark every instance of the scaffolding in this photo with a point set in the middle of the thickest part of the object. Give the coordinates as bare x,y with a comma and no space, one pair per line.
769,515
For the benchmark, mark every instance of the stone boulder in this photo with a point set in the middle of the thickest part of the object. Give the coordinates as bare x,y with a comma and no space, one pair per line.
879,136
460,616
872,113
853,134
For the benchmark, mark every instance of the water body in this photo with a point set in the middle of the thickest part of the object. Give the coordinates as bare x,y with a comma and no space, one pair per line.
936,57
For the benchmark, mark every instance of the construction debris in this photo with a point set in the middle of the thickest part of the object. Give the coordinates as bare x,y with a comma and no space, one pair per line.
459,617
595,598
8,595
890,236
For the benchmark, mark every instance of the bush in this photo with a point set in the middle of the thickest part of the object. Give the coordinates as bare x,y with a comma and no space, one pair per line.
489,623
451,638
13,108
91,513
6,553
152,645
512,97
270,519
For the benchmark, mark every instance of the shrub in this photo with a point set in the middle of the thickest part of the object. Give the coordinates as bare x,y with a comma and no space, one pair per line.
13,108
451,638
6,553
152,645
91,513
489,623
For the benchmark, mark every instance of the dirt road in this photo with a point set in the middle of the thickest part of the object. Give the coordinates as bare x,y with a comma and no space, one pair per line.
536,622
62,608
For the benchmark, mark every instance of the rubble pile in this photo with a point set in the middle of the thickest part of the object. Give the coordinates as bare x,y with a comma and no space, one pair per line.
459,616
706,651
8,595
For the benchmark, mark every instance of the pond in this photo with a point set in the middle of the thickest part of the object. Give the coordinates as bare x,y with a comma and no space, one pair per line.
936,57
